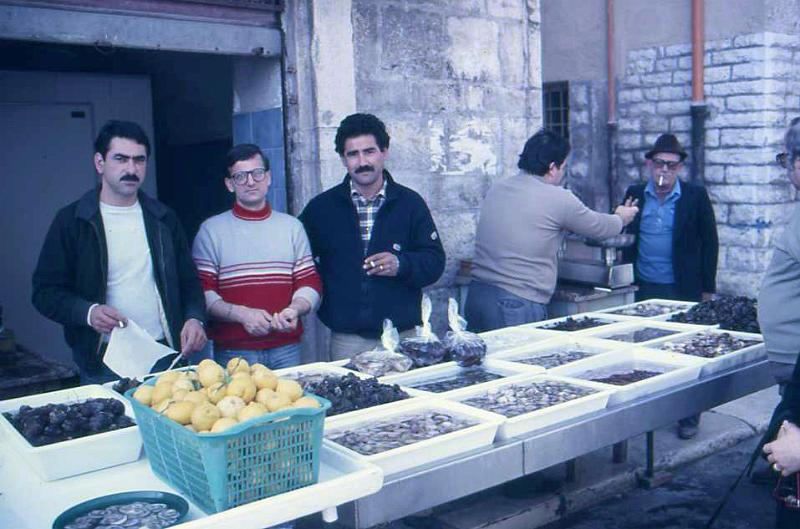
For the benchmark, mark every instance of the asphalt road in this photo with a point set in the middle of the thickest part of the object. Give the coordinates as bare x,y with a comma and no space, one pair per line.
688,500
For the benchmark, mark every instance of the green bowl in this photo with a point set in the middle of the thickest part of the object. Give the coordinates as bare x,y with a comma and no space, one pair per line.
173,501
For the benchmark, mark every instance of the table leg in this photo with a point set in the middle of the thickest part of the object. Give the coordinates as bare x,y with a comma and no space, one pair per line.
620,454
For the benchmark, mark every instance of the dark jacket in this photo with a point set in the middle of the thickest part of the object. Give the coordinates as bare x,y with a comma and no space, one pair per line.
73,266
352,301
695,246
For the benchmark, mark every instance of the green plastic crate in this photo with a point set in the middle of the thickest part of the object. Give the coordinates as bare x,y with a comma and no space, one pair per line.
262,457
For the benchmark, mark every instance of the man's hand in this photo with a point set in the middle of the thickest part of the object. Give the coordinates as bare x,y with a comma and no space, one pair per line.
193,337
784,451
707,296
384,264
105,318
285,320
627,211
256,322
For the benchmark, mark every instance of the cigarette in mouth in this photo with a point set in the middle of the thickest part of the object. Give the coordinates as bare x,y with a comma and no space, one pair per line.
660,180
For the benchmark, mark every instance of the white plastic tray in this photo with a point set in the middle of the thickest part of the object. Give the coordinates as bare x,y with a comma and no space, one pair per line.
679,369
552,345
424,375
502,340
606,332
540,325
720,363
543,418
76,456
672,306
317,368
430,450
27,502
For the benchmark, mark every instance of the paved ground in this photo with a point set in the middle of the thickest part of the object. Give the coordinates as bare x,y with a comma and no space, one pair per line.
687,501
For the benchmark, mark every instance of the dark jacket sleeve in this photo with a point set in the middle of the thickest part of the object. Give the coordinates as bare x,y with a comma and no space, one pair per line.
54,277
192,299
308,224
423,263
710,249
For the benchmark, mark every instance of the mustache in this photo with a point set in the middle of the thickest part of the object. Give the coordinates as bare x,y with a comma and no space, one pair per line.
129,178
365,169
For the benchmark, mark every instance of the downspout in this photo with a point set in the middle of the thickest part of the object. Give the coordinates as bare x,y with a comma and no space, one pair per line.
699,109
611,125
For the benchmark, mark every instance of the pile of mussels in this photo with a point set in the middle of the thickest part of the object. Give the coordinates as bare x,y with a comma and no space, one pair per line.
731,313
349,393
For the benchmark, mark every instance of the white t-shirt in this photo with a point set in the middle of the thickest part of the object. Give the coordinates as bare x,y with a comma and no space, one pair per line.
131,286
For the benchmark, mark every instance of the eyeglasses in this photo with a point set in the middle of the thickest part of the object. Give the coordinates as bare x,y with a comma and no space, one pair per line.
666,164
240,177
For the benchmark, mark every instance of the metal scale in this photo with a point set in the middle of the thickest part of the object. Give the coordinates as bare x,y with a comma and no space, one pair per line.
595,262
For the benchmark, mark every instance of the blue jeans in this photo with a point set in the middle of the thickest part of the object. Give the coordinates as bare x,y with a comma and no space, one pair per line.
649,290
275,358
489,307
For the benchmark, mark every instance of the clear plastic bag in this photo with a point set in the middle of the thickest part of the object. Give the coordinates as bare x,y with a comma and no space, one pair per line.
424,349
466,348
383,360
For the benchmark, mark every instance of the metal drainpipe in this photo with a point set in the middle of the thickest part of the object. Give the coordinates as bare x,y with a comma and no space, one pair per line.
699,109
611,126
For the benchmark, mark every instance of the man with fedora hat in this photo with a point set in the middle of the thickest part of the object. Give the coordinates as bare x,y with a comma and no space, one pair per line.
676,247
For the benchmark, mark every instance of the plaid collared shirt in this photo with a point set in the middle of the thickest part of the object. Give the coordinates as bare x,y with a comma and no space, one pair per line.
367,211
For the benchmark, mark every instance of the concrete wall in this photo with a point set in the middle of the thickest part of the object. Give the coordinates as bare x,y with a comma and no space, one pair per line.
574,31
458,85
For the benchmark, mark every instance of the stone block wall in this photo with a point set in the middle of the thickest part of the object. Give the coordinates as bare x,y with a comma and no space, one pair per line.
458,84
752,89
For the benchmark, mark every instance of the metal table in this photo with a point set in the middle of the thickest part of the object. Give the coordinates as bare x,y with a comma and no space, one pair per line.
426,487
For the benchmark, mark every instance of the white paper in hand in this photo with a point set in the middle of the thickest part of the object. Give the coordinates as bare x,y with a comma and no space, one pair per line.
132,352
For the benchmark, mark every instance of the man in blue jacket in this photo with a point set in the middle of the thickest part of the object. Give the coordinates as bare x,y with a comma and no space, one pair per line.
116,254
374,241
676,248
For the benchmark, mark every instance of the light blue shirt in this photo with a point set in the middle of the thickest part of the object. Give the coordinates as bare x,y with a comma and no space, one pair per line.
654,262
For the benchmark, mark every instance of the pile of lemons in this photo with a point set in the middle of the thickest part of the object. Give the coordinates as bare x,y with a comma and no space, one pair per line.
212,398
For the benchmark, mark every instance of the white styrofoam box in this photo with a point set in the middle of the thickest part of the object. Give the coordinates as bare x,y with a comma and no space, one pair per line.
421,453
630,326
607,318
76,456
317,368
676,369
554,345
670,307
737,357
502,340
545,417
417,377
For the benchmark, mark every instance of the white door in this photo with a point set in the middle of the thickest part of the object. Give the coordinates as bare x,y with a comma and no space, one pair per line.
46,164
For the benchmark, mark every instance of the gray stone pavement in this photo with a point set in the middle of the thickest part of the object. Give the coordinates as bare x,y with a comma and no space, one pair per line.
608,495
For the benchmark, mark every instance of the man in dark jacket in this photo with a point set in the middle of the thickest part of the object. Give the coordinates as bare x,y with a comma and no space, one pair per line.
374,241
116,254
676,248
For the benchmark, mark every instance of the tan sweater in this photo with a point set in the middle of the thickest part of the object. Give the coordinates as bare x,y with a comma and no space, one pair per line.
523,221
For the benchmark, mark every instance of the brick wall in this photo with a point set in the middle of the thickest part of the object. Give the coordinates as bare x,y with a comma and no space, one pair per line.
458,84
752,89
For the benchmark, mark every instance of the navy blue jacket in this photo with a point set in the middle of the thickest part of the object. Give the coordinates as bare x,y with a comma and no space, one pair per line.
73,266
352,301
695,246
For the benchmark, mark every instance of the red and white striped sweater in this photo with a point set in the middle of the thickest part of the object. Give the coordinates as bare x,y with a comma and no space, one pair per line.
260,259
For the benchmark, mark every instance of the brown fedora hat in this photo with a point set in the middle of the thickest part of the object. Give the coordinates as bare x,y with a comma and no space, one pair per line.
667,143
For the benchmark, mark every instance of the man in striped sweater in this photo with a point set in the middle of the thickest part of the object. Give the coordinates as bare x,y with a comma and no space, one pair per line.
256,268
